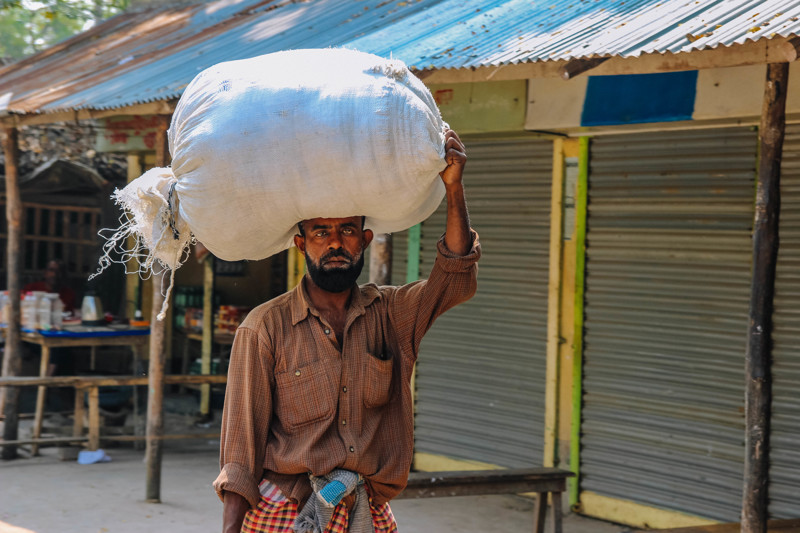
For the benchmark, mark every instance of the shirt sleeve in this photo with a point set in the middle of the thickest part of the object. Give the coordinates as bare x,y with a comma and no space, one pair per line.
453,280
245,417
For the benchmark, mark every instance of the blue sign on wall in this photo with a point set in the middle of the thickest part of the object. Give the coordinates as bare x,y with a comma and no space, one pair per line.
637,98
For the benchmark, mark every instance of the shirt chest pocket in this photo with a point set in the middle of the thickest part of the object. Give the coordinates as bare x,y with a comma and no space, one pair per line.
377,381
304,395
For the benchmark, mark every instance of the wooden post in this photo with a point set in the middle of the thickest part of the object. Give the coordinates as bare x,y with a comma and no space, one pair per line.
295,267
758,391
208,336
41,397
380,259
155,396
554,308
12,359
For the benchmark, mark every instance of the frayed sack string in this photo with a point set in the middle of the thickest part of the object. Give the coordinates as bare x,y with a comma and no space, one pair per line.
176,236
151,216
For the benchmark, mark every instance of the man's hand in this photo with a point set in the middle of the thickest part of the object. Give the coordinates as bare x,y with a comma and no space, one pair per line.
235,507
455,156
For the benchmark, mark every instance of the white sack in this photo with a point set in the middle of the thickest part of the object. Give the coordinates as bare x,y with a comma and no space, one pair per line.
260,144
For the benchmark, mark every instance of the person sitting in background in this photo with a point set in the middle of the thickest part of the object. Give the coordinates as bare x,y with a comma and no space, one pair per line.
54,278
54,282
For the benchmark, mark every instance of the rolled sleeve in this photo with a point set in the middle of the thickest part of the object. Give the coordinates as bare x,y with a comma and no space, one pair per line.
237,478
452,262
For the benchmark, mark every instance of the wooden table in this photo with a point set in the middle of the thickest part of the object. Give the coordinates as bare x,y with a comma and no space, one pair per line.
80,337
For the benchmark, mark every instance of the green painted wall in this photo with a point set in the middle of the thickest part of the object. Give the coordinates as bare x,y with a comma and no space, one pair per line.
483,107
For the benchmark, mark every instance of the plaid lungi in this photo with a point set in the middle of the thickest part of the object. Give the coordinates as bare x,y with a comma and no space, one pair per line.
276,514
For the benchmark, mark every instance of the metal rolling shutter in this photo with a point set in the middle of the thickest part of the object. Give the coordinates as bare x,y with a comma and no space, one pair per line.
784,488
667,288
481,370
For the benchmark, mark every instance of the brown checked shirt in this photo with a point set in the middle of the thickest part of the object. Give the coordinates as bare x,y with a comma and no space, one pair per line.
297,402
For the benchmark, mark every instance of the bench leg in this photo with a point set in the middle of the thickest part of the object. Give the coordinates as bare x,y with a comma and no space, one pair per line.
77,423
94,418
40,399
539,511
555,512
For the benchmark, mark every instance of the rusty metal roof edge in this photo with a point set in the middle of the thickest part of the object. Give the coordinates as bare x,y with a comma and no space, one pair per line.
174,95
627,49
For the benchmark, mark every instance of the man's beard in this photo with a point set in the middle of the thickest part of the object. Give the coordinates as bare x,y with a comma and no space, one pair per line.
337,279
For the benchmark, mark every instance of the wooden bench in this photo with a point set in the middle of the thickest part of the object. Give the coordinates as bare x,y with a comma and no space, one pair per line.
542,481
92,384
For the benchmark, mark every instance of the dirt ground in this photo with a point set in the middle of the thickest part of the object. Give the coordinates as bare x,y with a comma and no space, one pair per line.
46,495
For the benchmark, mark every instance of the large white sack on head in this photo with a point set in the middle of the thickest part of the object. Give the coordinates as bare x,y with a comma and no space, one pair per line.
260,144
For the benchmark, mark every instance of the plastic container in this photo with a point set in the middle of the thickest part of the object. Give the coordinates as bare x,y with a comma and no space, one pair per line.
44,312
28,311
58,313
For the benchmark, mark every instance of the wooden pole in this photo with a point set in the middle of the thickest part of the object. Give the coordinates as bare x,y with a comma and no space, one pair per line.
380,259
758,391
155,396
207,344
12,358
295,267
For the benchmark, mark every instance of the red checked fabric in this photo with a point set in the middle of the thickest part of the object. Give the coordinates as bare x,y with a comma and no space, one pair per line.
297,402
271,516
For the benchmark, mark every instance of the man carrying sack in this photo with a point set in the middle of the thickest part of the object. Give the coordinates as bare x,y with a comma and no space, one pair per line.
317,429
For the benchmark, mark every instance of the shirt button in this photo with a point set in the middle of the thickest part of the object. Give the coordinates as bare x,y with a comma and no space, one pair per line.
352,449
296,372
327,331
344,422
344,389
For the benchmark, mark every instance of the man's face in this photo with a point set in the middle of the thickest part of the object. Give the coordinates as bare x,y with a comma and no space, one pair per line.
52,275
334,250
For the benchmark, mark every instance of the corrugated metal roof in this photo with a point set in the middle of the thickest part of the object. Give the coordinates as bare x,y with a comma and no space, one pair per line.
151,56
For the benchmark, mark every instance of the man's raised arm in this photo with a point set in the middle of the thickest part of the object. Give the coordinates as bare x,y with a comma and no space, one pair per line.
457,237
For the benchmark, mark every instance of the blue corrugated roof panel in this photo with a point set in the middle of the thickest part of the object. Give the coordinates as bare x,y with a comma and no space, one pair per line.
152,56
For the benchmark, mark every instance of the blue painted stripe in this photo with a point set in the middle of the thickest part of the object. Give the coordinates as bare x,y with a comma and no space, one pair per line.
638,98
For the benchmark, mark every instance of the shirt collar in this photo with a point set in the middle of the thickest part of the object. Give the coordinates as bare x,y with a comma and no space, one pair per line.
301,304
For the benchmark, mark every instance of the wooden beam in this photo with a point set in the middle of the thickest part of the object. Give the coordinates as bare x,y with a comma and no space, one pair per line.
552,370
82,382
761,52
12,359
164,107
790,49
47,440
380,259
758,391
155,397
576,67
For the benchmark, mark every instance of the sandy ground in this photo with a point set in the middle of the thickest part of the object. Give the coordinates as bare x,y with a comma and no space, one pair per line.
46,495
